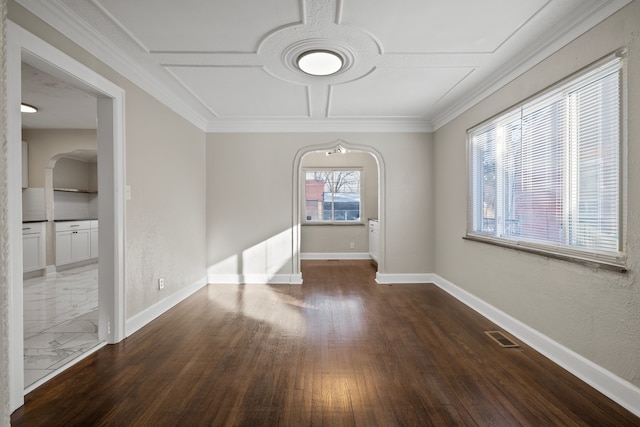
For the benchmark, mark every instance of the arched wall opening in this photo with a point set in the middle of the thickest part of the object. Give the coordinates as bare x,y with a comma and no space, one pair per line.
298,196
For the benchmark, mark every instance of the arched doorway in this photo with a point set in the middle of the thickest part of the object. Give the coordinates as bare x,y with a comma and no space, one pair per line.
298,195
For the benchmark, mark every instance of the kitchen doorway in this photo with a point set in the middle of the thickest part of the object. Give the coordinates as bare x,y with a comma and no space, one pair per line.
24,47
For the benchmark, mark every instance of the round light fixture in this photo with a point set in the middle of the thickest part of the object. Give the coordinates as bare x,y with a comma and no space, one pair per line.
320,62
26,108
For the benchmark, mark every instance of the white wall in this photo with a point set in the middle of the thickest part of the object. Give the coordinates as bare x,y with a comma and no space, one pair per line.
165,167
337,238
593,312
44,144
250,199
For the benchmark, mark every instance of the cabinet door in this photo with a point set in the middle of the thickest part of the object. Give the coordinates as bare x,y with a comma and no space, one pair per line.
32,258
94,243
63,247
373,240
81,245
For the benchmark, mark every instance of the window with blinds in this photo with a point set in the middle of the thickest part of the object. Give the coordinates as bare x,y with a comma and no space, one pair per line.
546,175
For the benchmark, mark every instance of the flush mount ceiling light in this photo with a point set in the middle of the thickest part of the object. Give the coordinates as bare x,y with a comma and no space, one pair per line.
320,62
26,108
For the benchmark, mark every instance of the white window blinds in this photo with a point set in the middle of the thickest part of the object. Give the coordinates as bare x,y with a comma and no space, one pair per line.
547,173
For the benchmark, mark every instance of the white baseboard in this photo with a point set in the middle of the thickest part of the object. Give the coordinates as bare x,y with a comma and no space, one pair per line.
139,320
392,279
609,384
334,255
253,279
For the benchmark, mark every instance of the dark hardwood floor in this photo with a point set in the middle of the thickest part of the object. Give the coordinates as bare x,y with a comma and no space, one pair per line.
339,350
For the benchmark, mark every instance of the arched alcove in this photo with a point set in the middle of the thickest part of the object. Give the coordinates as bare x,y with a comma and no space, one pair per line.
336,146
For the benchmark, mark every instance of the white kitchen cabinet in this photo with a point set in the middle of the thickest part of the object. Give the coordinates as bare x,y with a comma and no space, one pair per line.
374,233
33,246
94,239
73,242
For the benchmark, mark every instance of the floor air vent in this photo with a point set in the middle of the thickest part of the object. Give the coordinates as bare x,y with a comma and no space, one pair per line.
501,339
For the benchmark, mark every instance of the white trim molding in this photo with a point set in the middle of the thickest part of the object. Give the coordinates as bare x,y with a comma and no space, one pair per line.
137,321
255,279
609,384
400,278
334,255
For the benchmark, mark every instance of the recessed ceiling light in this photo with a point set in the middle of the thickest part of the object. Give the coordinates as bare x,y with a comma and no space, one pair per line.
320,62
26,108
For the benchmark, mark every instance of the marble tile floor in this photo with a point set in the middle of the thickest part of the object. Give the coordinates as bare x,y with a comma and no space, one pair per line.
60,320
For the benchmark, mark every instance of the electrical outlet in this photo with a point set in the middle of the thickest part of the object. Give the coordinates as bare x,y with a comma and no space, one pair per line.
161,283
353,245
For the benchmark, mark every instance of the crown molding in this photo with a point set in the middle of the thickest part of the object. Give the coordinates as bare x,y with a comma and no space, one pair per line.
319,126
169,92
583,21
163,88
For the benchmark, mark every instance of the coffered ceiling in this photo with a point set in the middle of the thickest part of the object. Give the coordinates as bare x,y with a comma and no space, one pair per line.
410,65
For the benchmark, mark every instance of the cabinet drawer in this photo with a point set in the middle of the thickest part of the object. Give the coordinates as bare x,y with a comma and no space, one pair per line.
33,228
73,225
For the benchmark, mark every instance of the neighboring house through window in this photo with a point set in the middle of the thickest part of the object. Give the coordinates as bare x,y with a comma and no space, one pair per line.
333,195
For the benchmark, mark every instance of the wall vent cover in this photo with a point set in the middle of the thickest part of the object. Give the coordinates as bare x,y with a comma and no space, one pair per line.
501,339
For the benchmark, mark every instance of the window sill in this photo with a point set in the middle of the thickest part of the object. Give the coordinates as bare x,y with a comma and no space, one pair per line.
601,264
341,224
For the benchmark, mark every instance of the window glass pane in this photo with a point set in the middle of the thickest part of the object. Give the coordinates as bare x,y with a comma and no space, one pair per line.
596,187
332,195
540,191
484,161
547,173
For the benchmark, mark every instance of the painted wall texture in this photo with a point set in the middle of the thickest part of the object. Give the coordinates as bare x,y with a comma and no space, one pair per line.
338,239
250,198
46,143
593,312
4,237
165,218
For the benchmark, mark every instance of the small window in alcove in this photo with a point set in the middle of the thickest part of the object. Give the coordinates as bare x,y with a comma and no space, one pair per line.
333,195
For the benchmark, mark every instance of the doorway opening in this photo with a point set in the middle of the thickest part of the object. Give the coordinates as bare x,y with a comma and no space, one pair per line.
25,48
355,242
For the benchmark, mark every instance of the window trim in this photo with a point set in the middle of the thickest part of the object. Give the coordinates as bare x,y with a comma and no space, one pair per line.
303,198
593,259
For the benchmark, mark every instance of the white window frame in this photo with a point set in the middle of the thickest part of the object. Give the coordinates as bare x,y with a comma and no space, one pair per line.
303,198
610,260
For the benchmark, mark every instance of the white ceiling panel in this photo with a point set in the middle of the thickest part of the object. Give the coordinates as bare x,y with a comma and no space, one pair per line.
202,25
409,65
440,26
394,92
244,91
60,104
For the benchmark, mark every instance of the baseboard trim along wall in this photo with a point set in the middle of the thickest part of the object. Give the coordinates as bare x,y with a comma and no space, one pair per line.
139,320
609,384
254,279
333,255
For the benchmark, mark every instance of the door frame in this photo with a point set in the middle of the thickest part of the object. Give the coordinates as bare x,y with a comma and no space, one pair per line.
25,46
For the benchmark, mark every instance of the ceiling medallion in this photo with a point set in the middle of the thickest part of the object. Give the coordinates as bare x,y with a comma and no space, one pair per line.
319,62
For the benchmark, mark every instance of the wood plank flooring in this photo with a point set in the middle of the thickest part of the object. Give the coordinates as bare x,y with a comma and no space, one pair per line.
340,350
